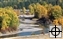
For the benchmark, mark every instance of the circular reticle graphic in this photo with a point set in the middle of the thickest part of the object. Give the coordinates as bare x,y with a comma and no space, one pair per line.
55,31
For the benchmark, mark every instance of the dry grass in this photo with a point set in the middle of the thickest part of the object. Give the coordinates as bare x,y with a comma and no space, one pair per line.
17,11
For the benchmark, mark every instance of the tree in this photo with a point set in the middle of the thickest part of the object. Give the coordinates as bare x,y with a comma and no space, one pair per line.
56,11
42,11
24,10
49,8
8,19
31,9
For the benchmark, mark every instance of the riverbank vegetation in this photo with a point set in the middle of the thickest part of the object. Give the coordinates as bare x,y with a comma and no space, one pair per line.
47,9
53,13
8,20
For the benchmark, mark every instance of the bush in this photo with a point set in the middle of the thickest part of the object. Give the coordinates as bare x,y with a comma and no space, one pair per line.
31,8
42,11
56,11
8,19
24,10
58,21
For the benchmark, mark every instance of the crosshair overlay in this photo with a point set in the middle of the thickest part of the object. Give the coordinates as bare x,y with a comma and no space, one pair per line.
55,31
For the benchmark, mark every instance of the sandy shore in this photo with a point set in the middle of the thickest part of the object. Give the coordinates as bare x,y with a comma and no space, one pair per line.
41,36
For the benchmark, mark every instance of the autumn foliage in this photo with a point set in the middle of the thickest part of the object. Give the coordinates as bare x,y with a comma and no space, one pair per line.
8,19
49,10
41,10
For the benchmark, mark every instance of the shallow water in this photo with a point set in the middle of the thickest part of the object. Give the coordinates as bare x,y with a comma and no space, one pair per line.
45,30
29,33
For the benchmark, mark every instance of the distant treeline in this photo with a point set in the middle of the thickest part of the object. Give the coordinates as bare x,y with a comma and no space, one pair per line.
25,3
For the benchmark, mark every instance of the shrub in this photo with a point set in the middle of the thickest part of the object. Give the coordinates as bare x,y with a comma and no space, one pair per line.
55,22
24,10
42,11
31,8
58,21
8,19
56,11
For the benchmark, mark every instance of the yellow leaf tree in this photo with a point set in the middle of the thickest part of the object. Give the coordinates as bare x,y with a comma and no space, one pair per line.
56,11
31,8
24,10
42,11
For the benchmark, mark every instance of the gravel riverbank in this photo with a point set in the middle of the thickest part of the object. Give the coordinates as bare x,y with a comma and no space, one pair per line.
41,36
